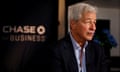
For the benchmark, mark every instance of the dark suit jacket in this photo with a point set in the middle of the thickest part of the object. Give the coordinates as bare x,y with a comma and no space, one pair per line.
64,58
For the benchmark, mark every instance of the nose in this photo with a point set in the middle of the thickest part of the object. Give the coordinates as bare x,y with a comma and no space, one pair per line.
93,26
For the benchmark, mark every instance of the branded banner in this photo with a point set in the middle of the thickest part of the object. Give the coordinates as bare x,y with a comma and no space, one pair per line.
27,29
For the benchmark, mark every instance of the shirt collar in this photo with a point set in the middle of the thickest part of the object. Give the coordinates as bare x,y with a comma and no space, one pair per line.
75,44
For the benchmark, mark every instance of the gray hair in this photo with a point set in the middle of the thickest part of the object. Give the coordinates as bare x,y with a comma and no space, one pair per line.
75,11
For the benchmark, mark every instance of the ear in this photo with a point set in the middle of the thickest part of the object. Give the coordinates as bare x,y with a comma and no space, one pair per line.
72,24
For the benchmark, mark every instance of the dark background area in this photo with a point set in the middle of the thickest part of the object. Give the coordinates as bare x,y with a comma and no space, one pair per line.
27,56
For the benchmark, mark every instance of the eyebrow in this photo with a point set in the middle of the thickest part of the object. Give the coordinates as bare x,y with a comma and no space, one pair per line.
89,19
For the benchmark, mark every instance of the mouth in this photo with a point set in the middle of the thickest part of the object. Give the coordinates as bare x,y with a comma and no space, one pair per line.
90,33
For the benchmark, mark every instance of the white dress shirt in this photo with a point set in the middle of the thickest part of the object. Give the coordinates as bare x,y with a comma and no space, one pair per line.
77,49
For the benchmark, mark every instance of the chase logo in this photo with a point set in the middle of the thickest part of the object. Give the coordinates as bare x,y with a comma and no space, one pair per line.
25,33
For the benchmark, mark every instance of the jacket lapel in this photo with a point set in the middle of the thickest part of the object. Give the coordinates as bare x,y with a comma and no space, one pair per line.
90,58
70,55
87,58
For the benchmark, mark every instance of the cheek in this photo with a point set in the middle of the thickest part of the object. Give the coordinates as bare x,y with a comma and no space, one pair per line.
83,28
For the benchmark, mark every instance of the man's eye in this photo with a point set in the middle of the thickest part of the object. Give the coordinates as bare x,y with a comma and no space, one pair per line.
87,21
90,22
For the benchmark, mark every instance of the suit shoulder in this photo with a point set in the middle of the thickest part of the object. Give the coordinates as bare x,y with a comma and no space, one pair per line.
59,43
94,44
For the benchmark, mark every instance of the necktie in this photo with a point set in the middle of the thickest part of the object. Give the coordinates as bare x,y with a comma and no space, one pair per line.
81,56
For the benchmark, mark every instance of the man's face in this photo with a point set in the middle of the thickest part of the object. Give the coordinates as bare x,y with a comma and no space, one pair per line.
85,27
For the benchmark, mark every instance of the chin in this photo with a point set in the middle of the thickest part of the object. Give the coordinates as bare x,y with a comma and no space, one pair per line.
90,38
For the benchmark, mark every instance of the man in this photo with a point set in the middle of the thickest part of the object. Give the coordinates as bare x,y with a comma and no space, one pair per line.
76,52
